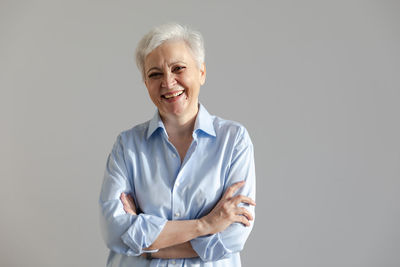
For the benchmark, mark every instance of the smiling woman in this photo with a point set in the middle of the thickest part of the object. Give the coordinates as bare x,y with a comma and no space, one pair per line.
179,189
173,80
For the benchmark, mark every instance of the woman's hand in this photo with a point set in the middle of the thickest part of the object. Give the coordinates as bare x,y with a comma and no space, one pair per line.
129,204
227,211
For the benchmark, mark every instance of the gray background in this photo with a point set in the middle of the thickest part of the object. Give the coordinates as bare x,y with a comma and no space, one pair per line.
316,83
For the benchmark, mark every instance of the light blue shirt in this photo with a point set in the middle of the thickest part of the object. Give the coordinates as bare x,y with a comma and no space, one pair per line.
145,164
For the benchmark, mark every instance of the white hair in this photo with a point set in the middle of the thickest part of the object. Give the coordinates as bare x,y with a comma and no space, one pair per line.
170,32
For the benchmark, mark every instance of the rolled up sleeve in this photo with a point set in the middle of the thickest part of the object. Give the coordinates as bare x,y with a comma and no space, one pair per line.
143,232
124,233
232,239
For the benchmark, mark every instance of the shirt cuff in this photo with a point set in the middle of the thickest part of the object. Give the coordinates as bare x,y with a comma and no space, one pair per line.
143,232
210,247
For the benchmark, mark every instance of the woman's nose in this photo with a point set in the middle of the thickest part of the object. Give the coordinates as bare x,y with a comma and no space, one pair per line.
168,81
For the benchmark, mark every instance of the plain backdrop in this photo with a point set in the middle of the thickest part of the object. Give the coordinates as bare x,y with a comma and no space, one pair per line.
316,83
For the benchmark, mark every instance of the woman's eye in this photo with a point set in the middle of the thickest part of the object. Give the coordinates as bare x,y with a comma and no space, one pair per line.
154,75
178,68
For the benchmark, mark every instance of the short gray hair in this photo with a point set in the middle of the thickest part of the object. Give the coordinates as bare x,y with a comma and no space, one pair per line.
169,32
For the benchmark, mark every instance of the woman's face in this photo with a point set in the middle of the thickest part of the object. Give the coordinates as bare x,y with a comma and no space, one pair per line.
173,79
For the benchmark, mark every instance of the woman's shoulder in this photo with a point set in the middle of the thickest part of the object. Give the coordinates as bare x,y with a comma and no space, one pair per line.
137,132
221,124
229,128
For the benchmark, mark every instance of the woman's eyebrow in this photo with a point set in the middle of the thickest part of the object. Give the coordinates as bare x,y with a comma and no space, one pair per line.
153,68
176,62
169,65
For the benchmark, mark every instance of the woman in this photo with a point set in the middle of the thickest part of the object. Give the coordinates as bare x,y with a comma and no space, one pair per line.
178,189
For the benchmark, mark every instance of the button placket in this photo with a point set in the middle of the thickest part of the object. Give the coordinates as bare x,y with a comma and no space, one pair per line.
176,199
177,204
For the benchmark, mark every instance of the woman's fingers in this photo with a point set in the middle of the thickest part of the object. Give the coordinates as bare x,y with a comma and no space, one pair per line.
130,198
239,198
124,201
123,198
128,204
244,212
232,189
243,220
243,199
243,216
227,210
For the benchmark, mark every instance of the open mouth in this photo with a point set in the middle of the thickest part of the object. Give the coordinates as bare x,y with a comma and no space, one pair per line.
172,95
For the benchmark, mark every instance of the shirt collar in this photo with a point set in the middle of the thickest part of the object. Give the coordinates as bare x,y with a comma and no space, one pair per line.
204,122
155,123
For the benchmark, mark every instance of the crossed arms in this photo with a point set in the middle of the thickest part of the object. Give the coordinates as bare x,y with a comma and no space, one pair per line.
173,241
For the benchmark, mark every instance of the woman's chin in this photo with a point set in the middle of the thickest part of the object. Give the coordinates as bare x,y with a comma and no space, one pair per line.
179,108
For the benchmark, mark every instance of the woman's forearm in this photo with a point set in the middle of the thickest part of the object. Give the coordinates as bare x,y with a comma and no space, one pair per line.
178,232
180,251
221,216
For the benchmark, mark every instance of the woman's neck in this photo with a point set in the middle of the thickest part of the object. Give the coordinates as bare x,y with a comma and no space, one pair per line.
180,126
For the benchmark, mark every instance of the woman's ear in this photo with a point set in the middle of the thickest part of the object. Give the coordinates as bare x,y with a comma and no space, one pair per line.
202,73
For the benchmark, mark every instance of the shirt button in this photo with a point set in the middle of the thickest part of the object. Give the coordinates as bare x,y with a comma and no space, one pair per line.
177,214
177,183
173,155
173,262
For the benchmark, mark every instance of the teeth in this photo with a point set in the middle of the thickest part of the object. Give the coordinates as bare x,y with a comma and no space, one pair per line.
173,95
